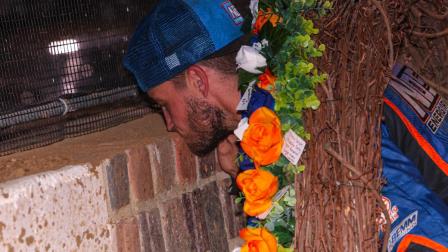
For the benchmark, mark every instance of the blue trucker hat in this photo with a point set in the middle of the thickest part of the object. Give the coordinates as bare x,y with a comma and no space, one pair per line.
177,34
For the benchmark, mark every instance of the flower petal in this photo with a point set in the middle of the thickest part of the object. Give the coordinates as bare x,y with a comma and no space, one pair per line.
249,59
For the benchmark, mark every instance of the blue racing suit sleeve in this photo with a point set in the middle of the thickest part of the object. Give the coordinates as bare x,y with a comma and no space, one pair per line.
417,121
415,210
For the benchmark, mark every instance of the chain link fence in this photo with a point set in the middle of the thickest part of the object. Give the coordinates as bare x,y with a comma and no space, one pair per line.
60,69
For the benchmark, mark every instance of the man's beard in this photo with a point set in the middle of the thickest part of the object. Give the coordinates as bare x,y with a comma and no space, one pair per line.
208,125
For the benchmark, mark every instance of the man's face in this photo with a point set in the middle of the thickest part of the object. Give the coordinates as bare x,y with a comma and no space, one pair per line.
201,124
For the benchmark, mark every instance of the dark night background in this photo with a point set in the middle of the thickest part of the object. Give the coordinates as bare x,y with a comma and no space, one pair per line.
30,74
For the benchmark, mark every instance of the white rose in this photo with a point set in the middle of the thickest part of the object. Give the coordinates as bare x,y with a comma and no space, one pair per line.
250,59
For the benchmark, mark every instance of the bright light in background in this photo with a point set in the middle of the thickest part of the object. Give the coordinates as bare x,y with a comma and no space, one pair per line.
63,46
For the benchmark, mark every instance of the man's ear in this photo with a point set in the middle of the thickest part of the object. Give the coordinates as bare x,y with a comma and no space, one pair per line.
197,80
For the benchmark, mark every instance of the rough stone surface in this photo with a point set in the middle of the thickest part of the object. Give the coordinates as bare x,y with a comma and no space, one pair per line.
177,234
151,236
118,182
63,210
140,175
162,164
185,162
233,213
207,165
128,236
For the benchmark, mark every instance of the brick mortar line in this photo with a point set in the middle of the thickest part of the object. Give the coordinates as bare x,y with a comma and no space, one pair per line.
123,213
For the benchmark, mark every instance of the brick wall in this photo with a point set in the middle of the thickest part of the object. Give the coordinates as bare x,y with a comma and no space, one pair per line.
163,198
152,197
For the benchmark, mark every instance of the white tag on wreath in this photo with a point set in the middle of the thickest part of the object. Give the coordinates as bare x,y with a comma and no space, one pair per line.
263,216
281,193
242,127
244,102
276,197
254,10
293,147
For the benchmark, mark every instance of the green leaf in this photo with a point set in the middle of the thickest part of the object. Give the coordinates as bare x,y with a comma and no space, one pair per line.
270,226
290,201
304,67
328,5
238,200
245,78
283,235
280,248
312,102
322,47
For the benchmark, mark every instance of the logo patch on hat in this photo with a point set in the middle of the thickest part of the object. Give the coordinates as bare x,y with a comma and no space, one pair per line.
233,12
172,61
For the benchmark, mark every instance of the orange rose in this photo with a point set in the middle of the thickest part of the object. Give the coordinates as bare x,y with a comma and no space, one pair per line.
266,80
263,17
259,187
258,240
262,141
